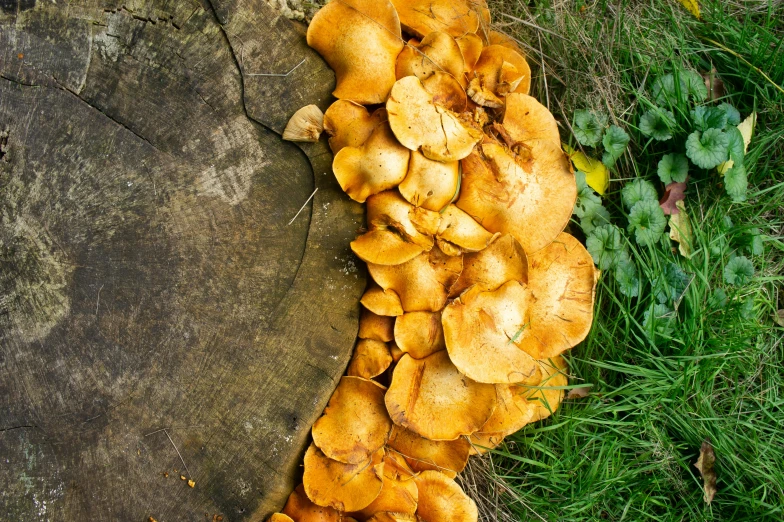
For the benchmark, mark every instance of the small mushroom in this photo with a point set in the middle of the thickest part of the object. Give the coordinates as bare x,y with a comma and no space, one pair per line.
360,40
419,334
370,359
442,499
436,52
376,327
301,509
471,47
355,423
503,70
381,302
482,331
395,352
448,457
514,411
430,184
279,517
397,496
349,124
345,487
562,280
461,230
504,260
378,164
548,394
455,17
525,119
421,124
305,125
423,283
387,516
433,399
529,195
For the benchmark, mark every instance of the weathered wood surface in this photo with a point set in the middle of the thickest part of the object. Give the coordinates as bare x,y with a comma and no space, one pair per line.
148,275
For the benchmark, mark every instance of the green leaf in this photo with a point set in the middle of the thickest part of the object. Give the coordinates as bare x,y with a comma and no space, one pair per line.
659,321
705,118
718,299
707,149
665,92
647,221
596,218
738,271
673,167
670,284
627,278
588,127
638,190
695,85
733,116
605,246
735,147
736,182
615,141
657,123
755,243
747,309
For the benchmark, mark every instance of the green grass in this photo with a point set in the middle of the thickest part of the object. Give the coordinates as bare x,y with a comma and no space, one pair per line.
626,452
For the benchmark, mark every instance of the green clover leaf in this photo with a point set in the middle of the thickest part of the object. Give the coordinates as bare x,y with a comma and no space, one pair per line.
673,167
707,149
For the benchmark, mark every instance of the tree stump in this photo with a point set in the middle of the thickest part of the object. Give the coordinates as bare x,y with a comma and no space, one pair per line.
162,310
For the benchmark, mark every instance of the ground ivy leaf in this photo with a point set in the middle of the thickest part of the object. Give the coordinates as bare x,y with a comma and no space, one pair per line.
588,126
597,217
673,167
739,271
605,246
658,124
664,90
681,231
673,194
658,321
704,465
647,221
718,299
626,277
733,116
695,85
707,149
670,285
736,183
615,141
705,118
638,190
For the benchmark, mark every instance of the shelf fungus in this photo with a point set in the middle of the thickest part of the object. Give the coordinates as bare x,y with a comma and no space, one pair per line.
475,291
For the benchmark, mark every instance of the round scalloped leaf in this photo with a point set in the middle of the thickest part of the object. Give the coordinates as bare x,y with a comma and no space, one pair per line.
647,221
673,167
707,149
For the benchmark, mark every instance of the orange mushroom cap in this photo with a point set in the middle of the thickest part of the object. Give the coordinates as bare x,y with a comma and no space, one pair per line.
548,394
437,52
430,397
462,231
514,411
419,334
301,509
397,496
279,517
471,47
345,487
562,280
525,119
482,331
421,124
355,423
381,302
370,359
305,125
349,124
504,260
503,70
423,283
530,196
430,184
456,17
442,499
448,457
360,40
387,516
376,327
498,38
378,164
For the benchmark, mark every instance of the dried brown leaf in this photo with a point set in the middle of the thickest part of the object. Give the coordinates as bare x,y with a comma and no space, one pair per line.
681,230
579,393
779,317
705,466
673,193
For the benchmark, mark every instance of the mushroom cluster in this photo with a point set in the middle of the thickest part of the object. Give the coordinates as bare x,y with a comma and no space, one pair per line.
476,289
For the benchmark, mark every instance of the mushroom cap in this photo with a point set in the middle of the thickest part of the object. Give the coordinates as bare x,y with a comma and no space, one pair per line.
389,210
378,164
504,260
279,517
499,78
530,196
448,457
301,509
548,394
437,51
370,359
345,487
395,352
498,38
482,442
513,412
482,331
471,46
305,125
430,397
461,230
360,40
442,500
419,334
396,467
397,496
447,91
421,124
430,184
384,247
423,283
355,423
562,280
376,327
387,516
525,119
349,124
455,17
381,302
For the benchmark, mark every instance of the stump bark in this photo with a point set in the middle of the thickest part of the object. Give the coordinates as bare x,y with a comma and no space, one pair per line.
159,310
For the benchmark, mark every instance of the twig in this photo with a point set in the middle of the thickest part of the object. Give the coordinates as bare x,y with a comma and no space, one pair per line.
303,206
277,74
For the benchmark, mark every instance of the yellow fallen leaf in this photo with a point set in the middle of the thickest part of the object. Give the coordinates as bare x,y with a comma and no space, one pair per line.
681,231
692,6
596,174
746,128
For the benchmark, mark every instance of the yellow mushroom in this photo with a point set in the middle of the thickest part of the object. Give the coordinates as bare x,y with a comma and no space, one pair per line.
370,359
448,457
419,334
442,499
349,124
345,487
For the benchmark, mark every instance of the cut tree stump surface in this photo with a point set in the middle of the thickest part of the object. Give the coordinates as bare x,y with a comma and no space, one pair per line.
157,310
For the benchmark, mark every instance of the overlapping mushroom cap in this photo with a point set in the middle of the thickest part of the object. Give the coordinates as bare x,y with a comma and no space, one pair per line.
345,487
455,17
447,457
